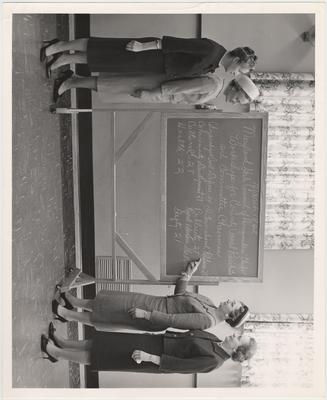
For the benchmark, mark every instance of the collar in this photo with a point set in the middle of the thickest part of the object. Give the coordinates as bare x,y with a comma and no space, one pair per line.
220,83
219,350
219,64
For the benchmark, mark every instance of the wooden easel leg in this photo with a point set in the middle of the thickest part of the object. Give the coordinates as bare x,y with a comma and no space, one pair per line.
76,278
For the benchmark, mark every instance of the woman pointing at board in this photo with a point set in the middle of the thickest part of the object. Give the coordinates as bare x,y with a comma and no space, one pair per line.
113,310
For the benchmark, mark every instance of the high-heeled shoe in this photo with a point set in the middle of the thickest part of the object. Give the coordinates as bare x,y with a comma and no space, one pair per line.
44,343
48,64
57,83
55,305
51,332
48,43
68,304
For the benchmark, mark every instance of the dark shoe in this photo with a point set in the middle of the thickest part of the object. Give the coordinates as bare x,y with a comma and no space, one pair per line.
49,63
57,83
53,109
55,305
43,48
51,331
44,343
68,304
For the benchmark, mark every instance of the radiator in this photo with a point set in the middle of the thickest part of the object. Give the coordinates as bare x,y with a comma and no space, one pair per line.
104,269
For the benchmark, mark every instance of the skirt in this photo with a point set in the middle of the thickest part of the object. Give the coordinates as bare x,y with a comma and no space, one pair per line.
110,55
113,351
119,89
110,310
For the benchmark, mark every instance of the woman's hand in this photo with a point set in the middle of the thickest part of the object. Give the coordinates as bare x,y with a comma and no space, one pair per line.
138,356
191,268
138,313
135,46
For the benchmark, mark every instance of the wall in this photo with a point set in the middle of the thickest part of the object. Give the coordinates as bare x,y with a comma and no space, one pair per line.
140,25
287,284
288,275
274,37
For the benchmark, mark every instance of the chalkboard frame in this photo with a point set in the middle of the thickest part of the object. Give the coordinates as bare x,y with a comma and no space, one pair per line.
263,116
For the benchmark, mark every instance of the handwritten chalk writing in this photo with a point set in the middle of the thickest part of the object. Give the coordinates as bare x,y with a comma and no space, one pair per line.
178,237
175,220
222,203
190,167
208,257
181,129
213,194
232,270
181,125
219,241
249,130
180,167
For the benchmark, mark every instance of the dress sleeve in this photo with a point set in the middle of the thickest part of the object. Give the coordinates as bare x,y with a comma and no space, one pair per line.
172,44
155,96
182,321
187,365
181,286
200,85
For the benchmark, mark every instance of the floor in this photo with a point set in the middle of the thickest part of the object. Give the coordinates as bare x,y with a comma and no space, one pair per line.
42,205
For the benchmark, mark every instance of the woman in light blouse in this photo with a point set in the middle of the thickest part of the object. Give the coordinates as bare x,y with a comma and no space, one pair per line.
156,89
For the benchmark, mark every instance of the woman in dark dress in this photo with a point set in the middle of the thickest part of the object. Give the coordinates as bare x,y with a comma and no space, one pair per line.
174,57
187,352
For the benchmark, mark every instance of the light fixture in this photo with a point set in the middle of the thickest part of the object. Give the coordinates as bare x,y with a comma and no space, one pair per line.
309,35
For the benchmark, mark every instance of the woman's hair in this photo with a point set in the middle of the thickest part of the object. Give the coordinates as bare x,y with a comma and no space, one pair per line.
238,316
245,54
243,352
245,85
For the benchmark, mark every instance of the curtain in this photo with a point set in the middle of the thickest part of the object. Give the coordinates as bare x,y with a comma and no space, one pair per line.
284,357
289,100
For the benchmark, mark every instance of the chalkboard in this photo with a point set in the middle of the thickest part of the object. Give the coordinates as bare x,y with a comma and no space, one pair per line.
213,194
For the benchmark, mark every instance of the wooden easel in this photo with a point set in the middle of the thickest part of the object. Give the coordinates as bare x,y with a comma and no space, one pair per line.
75,278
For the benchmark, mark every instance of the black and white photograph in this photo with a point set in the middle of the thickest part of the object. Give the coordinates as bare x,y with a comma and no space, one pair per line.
164,198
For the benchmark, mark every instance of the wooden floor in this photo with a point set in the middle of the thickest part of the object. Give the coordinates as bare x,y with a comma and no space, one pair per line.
43,221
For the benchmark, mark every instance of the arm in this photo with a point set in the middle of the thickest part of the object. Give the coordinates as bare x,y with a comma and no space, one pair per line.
181,284
202,84
139,356
172,44
179,321
182,321
182,281
153,95
136,46
187,365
